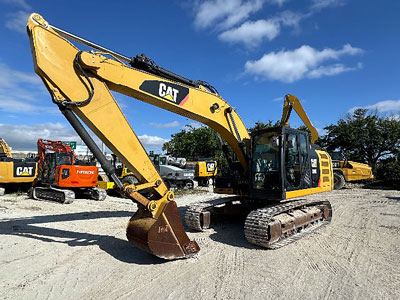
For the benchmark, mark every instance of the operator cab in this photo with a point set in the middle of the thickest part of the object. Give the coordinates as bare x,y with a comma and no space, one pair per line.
280,161
53,159
338,159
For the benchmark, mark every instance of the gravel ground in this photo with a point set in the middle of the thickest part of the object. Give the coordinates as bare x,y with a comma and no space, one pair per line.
79,251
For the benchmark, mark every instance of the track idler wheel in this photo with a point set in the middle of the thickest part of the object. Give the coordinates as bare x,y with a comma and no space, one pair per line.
164,237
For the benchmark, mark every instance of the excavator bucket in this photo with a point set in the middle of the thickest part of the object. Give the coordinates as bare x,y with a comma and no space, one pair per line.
164,237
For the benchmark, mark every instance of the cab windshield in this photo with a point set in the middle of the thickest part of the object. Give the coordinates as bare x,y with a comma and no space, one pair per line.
337,155
63,159
163,161
266,161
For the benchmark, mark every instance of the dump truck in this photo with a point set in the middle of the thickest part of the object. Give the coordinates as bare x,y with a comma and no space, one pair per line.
345,170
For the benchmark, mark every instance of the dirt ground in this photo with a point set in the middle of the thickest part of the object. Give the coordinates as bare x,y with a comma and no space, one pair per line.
79,251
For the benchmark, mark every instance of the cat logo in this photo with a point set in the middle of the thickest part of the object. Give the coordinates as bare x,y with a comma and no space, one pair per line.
24,171
169,91
210,167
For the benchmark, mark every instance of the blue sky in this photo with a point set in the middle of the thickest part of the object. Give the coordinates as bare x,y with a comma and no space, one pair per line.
334,55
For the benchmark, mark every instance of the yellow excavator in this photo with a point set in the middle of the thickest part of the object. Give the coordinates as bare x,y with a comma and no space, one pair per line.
14,171
204,169
269,166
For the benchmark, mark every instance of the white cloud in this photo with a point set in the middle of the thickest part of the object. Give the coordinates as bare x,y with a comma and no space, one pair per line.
230,19
149,141
10,78
193,124
24,137
22,92
278,2
252,33
331,70
165,125
292,65
320,4
17,21
15,106
321,131
224,13
382,107
395,117
20,3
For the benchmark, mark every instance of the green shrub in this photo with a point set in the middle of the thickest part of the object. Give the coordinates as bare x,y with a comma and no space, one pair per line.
388,171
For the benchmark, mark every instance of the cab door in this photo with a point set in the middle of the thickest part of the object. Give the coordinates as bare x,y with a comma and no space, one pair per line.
296,160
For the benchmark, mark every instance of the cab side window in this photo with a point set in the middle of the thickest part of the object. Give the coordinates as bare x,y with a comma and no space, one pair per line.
292,161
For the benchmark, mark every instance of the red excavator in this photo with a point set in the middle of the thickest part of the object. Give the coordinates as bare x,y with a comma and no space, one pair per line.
60,178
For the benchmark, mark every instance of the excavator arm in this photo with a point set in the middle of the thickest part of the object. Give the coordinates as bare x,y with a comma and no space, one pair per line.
5,150
80,84
293,102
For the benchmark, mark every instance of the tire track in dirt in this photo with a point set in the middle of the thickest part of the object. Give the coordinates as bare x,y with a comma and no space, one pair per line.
230,271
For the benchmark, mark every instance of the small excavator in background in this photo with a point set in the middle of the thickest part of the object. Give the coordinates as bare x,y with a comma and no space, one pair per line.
13,170
204,169
268,168
60,179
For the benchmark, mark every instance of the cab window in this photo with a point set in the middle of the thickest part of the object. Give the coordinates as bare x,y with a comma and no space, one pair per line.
292,161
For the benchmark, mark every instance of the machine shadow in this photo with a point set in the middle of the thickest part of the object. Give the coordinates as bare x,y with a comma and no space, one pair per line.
228,231
393,198
120,249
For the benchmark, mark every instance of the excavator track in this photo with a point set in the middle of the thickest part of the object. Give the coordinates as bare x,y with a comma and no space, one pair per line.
53,194
198,212
278,225
98,194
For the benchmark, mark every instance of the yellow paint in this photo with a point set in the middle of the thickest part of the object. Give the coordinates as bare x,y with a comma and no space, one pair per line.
305,192
5,149
7,174
293,101
353,171
201,169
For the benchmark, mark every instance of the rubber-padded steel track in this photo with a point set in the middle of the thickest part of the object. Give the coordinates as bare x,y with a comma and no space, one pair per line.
257,224
193,213
99,194
53,194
